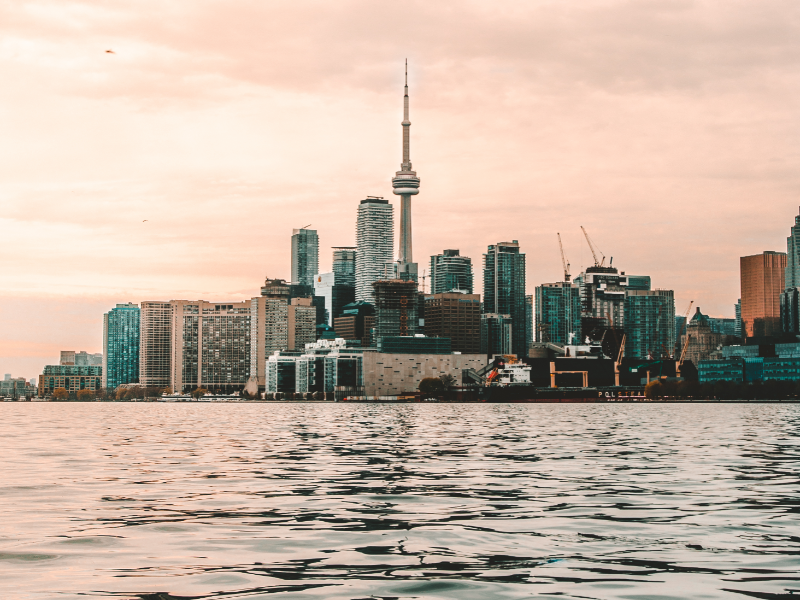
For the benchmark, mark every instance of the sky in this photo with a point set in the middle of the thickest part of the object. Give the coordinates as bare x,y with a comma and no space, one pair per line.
177,165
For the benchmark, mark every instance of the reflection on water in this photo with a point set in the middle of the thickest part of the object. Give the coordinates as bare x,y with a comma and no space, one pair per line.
338,501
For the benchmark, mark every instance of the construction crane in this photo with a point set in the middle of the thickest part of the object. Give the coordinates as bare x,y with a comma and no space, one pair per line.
306,227
564,260
620,354
679,363
593,247
683,327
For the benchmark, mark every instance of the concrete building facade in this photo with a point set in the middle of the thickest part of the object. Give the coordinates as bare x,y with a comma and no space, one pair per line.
456,316
374,245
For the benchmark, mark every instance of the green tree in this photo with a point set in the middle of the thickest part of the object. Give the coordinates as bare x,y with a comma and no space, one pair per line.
199,392
431,385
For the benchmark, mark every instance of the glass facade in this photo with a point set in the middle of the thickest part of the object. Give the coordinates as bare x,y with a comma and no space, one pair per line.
649,323
449,272
762,282
305,256
121,346
414,345
558,312
496,334
504,290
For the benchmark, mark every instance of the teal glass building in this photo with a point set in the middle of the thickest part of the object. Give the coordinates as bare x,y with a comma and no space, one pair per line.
121,346
504,290
558,313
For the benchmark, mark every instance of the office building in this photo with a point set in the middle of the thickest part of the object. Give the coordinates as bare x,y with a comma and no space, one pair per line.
337,287
450,272
121,346
155,344
405,184
455,316
649,323
396,308
17,387
638,282
81,359
302,316
305,256
344,265
356,323
723,325
602,291
737,309
558,313
72,378
702,339
762,282
504,289
374,245
497,334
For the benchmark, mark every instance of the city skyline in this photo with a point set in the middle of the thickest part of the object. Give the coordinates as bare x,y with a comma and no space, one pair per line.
142,178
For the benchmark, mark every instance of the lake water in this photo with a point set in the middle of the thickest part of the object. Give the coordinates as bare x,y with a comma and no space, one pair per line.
334,501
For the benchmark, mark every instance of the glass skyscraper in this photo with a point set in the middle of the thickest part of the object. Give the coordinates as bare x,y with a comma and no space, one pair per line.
121,346
649,323
305,256
558,313
504,290
450,272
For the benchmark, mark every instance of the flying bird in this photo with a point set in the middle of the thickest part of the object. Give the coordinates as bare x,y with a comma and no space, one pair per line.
144,220
110,52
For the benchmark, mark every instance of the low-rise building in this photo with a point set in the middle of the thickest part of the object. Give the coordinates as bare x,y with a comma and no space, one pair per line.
72,378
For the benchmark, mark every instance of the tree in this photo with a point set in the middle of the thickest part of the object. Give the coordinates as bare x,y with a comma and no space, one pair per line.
60,394
85,395
431,385
447,380
653,390
199,392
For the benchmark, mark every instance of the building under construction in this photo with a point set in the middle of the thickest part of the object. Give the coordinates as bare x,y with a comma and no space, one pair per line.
396,308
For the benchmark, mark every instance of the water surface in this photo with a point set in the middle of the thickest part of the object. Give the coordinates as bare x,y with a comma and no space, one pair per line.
301,501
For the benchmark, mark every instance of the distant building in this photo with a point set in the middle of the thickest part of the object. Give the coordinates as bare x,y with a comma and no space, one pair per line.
301,323
702,339
724,326
121,346
344,265
356,322
336,295
602,292
414,344
72,378
374,245
497,334
649,323
392,374
504,289
155,344
638,282
558,313
455,316
305,256
396,308
762,282
81,359
737,308
450,272
17,387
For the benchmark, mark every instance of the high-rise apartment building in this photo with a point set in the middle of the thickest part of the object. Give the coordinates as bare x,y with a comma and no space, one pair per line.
504,289
762,282
305,256
344,265
456,316
649,323
121,346
155,344
558,313
302,323
450,272
790,297
602,292
269,326
396,308
374,245
81,359
497,334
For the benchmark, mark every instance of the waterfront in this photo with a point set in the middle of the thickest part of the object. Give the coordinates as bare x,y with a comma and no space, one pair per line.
399,501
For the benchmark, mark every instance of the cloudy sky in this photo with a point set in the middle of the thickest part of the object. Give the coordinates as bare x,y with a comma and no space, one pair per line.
177,166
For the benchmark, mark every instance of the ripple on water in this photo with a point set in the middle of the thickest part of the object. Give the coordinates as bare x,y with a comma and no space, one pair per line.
168,502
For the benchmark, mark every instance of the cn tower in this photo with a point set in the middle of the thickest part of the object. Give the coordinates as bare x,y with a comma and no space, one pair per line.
406,184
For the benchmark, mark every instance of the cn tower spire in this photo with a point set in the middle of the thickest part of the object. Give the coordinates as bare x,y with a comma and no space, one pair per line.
406,184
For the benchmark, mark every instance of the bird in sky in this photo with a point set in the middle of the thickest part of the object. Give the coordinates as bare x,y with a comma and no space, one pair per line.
144,220
110,52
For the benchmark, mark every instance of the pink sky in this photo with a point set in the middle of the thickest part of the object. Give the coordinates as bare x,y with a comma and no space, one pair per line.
669,129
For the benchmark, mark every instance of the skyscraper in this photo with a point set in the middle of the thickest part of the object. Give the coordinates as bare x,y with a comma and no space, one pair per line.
396,308
344,265
338,288
790,297
155,344
449,272
558,313
374,245
649,323
602,303
504,289
305,256
121,346
406,184
496,334
762,280
456,316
